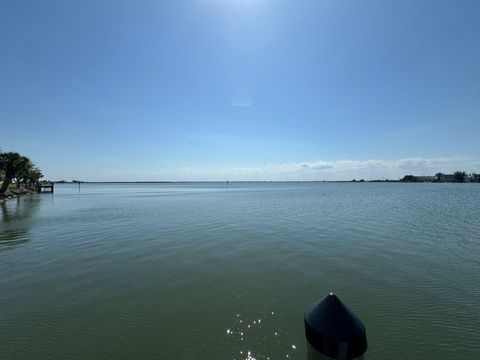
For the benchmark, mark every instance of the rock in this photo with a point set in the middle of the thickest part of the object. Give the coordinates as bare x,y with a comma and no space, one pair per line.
13,193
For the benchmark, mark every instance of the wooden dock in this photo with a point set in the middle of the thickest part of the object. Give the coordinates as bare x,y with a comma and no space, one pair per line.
45,187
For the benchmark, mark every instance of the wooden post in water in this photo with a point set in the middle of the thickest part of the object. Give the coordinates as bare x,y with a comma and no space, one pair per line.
333,331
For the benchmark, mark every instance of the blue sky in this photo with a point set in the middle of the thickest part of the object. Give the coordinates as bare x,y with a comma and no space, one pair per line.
241,89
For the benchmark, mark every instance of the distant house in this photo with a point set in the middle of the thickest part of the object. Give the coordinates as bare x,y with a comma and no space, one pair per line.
445,177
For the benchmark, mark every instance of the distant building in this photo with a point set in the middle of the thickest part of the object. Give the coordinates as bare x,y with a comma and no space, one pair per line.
445,177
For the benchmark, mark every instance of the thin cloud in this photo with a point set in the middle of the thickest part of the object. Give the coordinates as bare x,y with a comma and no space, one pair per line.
302,171
347,169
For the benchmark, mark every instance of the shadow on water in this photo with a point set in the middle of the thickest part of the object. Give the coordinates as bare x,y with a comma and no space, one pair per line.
15,217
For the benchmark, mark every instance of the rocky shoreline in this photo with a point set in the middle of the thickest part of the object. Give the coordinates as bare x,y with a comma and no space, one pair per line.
14,193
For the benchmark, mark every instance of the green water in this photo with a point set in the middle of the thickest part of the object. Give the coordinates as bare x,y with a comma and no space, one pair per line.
163,271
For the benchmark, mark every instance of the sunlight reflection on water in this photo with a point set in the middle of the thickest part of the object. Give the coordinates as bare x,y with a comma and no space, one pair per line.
248,338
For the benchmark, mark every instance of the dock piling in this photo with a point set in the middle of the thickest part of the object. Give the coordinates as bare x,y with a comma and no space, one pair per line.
41,187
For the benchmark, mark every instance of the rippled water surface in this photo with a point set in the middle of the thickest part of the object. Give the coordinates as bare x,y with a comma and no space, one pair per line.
206,271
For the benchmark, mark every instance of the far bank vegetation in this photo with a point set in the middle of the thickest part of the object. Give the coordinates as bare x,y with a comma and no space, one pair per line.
18,171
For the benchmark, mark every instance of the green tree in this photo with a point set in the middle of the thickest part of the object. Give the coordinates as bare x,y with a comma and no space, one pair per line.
13,166
24,167
33,177
459,176
408,178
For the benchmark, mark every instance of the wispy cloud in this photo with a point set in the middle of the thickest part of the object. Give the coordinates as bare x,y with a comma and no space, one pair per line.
345,169
305,170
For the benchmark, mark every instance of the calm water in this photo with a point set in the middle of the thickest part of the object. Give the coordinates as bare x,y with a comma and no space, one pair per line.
205,271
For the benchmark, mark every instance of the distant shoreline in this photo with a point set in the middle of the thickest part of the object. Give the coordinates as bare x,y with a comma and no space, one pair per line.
457,177
217,181
258,181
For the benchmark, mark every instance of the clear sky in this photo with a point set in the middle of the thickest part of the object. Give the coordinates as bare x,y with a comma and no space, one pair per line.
241,89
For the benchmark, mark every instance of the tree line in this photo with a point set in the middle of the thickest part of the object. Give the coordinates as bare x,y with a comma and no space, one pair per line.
19,170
